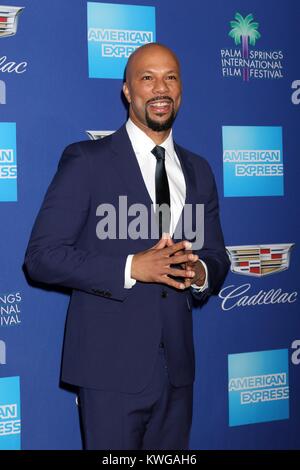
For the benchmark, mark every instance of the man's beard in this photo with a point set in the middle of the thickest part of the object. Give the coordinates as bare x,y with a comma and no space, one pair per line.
160,126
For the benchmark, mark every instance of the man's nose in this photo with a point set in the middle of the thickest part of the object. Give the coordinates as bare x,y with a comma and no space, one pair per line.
160,86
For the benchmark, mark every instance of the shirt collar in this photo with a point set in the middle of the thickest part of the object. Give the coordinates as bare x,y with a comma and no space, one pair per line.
142,143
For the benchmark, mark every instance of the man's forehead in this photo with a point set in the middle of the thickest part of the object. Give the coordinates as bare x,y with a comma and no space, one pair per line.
152,58
154,66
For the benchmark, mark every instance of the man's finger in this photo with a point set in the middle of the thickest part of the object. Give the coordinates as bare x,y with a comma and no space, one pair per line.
172,283
183,245
163,242
182,259
170,242
188,282
181,252
181,272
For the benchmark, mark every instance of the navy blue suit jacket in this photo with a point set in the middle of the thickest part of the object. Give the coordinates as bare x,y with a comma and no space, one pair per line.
112,333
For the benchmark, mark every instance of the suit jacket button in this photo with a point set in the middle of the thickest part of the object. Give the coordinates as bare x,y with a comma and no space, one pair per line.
96,291
164,293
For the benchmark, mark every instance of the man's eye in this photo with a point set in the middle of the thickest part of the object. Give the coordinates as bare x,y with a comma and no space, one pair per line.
146,77
172,77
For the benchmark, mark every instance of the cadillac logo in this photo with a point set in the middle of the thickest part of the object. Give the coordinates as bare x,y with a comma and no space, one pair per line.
96,135
9,17
259,260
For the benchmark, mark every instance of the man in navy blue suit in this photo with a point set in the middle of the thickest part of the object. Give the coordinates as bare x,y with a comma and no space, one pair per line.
129,335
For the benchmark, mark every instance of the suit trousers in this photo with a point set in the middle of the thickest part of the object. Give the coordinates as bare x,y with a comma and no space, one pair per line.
159,417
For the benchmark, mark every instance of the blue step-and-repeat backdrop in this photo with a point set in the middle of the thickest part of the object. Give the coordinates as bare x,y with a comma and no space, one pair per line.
61,69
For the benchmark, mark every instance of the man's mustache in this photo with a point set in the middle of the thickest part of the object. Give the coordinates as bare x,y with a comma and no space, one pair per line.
160,98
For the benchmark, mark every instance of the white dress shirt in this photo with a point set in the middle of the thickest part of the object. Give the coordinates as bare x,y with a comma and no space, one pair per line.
142,146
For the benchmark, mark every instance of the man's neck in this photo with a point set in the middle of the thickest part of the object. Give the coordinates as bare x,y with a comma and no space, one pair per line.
157,137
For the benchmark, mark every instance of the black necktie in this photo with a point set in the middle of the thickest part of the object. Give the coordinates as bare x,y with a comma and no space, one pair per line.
162,192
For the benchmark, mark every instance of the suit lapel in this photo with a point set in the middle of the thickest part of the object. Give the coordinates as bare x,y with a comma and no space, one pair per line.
188,173
190,184
127,167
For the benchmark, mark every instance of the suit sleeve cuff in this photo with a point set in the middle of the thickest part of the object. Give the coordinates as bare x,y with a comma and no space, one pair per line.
205,285
129,281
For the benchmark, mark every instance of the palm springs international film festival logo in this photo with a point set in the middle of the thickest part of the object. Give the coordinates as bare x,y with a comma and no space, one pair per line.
258,387
252,161
245,62
8,162
10,309
114,32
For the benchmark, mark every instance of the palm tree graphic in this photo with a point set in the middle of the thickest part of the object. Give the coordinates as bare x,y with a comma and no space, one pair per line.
246,29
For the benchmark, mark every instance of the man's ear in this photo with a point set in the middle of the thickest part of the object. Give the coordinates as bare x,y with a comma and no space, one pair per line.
126,92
